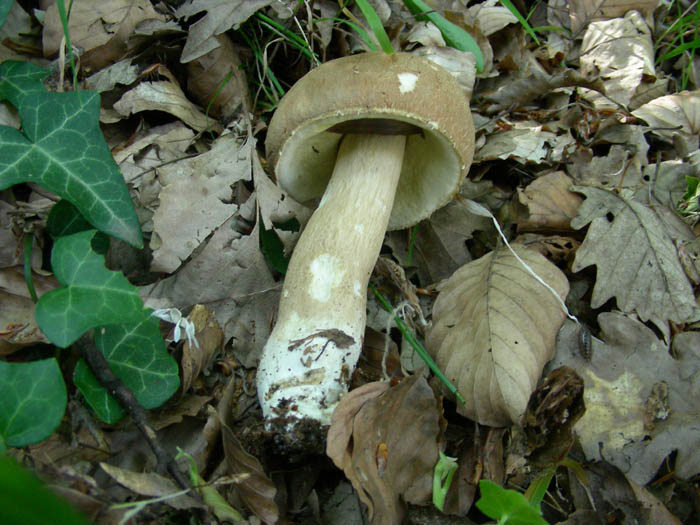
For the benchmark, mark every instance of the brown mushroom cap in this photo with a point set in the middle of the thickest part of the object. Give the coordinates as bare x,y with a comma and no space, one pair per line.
401,87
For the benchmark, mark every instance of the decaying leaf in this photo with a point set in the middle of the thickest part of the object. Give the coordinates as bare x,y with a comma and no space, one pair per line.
387,444
257,490
17,325
641,404
167,96
209,337
152,485
636,259
101,30
439,246
550,204
621,52
582,12
494,327
526,142
677,114
195,199
215,80
221,16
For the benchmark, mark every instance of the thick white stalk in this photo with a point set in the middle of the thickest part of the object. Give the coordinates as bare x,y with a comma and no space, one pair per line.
312,351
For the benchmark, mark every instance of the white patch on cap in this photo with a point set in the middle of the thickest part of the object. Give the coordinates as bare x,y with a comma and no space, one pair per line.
326,273
359,228
407,82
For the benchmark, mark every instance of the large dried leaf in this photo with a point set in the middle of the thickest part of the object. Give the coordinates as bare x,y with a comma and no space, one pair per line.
621,52
195,199
101,29
221,16
550,203
387,444
257,490
677,114
641,403
494,327
636,259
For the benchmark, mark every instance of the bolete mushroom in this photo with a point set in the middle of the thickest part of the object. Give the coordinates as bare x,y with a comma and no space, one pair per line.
383,141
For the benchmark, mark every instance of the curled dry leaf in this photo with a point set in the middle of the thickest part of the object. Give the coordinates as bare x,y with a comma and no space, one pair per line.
636,259
622,53
677,114
494,329
550,203
257,490
215,78
101,29
386,440
209,336
166,96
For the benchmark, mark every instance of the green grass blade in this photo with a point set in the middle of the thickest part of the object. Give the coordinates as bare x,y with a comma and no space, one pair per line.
454,35
28,240
692,45
360,32
526,25
422,352
375,25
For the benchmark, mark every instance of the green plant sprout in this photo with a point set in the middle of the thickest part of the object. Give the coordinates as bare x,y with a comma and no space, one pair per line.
60,147
443,473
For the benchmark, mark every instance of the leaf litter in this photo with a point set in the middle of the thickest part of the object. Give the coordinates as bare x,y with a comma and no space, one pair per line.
584,147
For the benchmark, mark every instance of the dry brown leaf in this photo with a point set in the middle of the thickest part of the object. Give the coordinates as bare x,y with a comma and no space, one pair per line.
195,199
101,29
526,142
17,325
494,328
636,259
641,403
209,337
677,114
550,203
621,51
389,448
583,12
215,80
221,16
166,96
152,485
439,246
257,490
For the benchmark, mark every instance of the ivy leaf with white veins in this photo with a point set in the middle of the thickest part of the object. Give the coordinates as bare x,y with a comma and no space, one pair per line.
137,355
636,259
62,149
92,295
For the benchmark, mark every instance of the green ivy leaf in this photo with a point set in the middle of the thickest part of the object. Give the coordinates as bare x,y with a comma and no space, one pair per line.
507,506
93,296
65,219
138,356
5,6
33,402
18,79
24,500
62,149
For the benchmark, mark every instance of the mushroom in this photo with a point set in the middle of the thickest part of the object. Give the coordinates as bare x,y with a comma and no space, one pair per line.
383,141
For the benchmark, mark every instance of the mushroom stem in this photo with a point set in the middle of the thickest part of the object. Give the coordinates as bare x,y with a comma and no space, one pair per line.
310,356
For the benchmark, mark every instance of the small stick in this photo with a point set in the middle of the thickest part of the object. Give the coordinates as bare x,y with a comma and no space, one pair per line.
126,399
